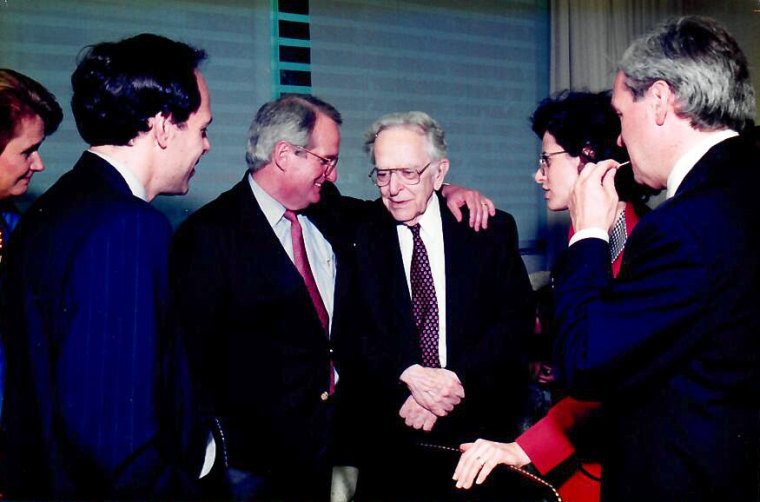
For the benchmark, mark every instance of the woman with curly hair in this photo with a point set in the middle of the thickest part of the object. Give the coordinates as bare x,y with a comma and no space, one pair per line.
575,128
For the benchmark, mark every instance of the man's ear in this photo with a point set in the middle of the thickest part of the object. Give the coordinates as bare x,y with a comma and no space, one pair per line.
664,100
281,154
440,175
162,128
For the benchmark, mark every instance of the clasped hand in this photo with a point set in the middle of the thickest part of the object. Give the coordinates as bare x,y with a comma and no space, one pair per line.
438,390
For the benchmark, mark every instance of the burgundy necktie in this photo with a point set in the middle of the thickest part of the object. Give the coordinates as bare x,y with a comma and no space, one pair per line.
424,303
302,264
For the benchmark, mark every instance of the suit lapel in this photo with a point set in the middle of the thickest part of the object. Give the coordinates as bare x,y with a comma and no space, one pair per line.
385,255
265,249
460,272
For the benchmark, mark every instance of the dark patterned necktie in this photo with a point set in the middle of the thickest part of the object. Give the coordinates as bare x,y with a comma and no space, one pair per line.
424,303
301,261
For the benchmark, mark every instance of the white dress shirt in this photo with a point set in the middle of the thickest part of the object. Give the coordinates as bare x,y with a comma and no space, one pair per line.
318,250
431,232
682,167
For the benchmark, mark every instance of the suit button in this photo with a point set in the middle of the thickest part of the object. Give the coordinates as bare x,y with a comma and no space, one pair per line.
324,396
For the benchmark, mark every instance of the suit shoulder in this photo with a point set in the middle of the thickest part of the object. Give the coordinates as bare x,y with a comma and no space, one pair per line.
216,213
503,221
82,211
500,225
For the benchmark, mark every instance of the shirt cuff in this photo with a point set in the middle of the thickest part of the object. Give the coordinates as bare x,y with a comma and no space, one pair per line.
588,233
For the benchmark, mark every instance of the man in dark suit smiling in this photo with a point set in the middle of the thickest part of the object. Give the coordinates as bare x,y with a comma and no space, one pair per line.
440,314
259,274
671,347
91,360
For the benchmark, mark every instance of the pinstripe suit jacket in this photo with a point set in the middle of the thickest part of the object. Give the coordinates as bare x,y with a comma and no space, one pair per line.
85,303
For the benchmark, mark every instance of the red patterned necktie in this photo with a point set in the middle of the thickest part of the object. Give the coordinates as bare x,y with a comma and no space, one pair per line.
302,264
424,303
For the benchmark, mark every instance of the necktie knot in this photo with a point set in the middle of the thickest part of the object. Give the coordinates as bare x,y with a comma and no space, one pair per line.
290,216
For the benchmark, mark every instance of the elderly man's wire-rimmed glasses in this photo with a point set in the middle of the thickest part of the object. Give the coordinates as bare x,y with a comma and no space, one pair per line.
544,159
409,176
328,164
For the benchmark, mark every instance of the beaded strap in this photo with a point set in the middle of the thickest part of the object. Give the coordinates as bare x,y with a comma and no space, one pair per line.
536,479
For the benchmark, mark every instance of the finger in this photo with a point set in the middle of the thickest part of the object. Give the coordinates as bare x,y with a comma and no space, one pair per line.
466,470
465,446
438,411
465,478
419,422
484,472
459,469
470,475
454,208
478,213
486,214
430,423
404,412
408,421
491,207
608,178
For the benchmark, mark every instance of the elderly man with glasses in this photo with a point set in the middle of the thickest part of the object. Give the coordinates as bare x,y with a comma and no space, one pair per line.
440,315
259,275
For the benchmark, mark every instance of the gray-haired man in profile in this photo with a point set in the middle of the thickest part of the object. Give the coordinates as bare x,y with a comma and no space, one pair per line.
671,347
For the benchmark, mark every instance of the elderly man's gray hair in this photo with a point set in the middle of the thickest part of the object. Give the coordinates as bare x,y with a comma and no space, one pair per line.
417,120
702,64
290,118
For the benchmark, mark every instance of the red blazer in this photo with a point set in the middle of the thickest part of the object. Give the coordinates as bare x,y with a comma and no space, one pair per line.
547,442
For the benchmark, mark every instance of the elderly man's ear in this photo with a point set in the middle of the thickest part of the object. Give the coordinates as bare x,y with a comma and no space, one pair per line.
440,175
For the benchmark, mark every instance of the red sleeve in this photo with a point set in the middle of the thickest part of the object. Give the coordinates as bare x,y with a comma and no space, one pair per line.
547,443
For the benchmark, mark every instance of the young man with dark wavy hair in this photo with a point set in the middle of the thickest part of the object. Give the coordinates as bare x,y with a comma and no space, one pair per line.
93,374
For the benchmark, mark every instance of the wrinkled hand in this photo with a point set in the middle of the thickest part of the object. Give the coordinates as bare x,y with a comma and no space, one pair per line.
416,416
435,389
480,458
593,201
480,207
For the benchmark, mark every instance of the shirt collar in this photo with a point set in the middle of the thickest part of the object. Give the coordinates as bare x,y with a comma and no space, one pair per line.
692,156
430,221
270,206
137,188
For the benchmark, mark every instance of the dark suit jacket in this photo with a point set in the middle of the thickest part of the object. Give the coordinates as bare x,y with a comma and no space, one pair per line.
88,410
258,350
672,347
489,312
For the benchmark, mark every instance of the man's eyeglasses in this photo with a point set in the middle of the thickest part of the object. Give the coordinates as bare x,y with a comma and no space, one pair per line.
543,161
328,164
382,177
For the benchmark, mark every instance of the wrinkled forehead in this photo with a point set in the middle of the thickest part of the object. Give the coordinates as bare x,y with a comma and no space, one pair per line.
401,147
